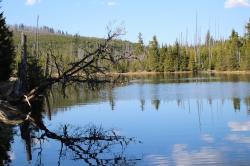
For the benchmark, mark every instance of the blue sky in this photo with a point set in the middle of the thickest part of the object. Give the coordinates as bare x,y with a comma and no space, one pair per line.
166,19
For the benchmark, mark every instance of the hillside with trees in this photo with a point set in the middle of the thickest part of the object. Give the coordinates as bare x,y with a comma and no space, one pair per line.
230,54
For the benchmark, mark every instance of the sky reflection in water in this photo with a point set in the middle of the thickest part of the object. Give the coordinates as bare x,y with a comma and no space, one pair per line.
195,122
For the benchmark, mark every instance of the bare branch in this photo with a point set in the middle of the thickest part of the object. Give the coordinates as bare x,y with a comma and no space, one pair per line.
87,69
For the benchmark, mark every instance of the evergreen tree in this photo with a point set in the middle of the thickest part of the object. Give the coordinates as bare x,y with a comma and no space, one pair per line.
176,54
192,64
245,56
163,55
139,47
233,47
247,35
139,52
184,59
169,62
204,53
153,55
220,54
6,50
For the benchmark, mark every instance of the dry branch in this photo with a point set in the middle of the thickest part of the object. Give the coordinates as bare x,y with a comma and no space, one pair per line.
85,70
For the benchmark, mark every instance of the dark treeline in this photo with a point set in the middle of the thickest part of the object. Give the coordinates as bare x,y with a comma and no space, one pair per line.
222,55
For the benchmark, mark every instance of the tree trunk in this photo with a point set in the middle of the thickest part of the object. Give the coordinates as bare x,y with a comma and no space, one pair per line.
22,68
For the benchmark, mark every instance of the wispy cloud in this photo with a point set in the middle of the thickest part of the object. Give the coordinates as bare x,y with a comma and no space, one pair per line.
32,2
236,3
110,3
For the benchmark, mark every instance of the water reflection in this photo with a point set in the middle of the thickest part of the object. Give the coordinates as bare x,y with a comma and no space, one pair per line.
93,145
181,120
6,138
156,94
192,117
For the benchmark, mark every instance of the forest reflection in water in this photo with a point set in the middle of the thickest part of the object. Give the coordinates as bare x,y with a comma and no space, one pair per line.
180,88
142,107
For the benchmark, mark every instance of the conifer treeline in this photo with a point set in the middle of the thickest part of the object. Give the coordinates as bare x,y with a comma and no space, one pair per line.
231,54
222,55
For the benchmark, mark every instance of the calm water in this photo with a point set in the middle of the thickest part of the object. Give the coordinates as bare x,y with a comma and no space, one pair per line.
174,120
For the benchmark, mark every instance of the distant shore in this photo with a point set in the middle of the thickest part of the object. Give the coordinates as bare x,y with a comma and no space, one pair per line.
181,72
226,72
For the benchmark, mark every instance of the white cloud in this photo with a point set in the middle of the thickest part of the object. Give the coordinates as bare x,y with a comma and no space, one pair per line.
239,126
236,3
32,2
111,3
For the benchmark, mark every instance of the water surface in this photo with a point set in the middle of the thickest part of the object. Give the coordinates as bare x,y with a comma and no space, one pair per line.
176,119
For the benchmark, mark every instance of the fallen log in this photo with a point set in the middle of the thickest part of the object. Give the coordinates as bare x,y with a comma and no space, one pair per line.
10,114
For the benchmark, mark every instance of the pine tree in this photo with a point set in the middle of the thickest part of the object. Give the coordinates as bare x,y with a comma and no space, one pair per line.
233,47
163,55
139,47
6,50
139,52
169,61
220,54
184,59
176,54
192,64
247,35
153,55
245,57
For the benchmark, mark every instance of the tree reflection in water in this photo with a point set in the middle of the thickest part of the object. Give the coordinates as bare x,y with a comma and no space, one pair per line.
94,145
6,138
91,144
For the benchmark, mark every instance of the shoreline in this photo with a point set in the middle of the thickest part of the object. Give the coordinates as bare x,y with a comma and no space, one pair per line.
226,72
150,73
182,72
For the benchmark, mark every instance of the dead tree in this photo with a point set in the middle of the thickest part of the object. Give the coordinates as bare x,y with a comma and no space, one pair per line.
85,70
22,68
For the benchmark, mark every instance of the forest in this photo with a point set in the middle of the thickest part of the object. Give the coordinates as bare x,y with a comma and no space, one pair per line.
69,99
231,54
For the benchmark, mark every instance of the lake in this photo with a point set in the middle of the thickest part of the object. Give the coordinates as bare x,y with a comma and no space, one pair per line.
164,119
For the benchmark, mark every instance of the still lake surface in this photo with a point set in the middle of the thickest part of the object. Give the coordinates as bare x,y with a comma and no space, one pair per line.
175,119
